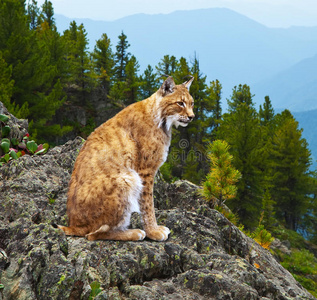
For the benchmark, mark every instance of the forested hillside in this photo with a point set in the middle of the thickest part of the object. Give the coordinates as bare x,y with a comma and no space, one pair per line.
64,90
231,47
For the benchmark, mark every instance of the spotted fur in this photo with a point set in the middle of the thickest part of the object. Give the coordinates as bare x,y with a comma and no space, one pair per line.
114,172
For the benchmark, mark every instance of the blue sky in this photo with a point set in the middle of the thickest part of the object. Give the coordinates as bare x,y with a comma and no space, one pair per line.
272,13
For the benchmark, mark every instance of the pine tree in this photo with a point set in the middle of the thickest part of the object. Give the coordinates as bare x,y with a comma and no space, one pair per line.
220,183
33,14
103,61
78,65
149,84
268,210
16,41
6,84
241,129
47,14
266,113
198,134
290,175
241,95
122,57
213,92
35,93
167,66
132,80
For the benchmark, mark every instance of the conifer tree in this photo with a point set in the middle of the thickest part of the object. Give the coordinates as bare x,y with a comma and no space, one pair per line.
290,175
214,91
103,61
266,114
132,81
167,66
220,183
33,14
36,92
268,209
122,57
47,14
149,84
78,66
240,128
6,84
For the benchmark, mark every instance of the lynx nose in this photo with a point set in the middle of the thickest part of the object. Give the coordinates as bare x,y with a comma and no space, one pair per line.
190,118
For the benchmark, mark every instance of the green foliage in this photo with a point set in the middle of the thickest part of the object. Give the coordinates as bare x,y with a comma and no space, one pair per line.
29,46
220,184
78,66
301,262
284,234
132,81
167,66
289,171
266,114
232,217
241,129
122,56
6,83
262,236
103,62
268,211
303,266
95,290
11,148
149,84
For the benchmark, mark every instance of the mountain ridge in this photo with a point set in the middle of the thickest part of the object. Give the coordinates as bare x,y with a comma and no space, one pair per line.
231,47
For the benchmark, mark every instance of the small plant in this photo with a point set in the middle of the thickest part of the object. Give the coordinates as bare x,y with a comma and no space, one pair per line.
95,290
262,237
12,148
303,266
232,217
220,182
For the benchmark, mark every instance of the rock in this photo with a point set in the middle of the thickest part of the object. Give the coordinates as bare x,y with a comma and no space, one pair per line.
19,127
282,246
205,257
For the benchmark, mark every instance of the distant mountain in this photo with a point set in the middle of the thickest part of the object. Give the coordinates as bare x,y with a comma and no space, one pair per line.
294,89
281,63
230,46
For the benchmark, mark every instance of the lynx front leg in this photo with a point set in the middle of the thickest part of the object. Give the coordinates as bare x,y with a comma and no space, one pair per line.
153,231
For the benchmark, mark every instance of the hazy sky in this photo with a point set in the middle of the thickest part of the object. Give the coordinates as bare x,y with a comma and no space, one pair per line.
273,13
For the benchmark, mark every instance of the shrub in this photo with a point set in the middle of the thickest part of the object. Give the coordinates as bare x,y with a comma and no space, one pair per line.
12,148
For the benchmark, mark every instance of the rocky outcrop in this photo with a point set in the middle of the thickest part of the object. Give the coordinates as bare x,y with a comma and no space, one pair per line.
19,127
205,257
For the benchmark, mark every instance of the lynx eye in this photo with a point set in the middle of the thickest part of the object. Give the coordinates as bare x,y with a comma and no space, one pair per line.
181,104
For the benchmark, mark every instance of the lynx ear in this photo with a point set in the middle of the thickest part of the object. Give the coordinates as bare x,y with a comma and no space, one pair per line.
168,86
188,82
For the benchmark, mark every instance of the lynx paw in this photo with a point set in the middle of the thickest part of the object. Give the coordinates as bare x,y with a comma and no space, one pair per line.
159,233
141,234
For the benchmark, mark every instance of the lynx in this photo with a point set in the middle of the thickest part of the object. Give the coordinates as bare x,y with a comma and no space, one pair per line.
114,172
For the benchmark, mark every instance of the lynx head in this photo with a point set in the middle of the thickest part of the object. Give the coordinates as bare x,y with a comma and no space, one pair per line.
175,104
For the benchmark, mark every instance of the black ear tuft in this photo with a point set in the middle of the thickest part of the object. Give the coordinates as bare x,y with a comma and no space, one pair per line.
168,86
188,82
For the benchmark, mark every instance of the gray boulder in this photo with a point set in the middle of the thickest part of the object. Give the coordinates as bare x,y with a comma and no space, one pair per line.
205,257
19,127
